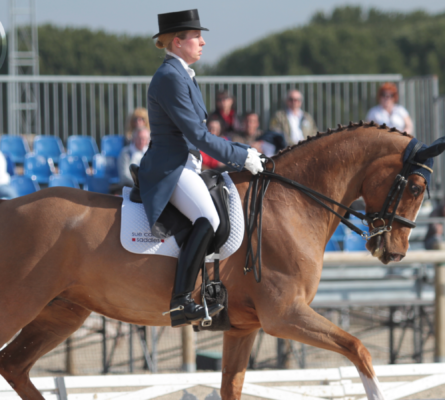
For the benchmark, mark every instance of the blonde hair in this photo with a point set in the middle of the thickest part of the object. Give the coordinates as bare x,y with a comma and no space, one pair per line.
139,112
165,40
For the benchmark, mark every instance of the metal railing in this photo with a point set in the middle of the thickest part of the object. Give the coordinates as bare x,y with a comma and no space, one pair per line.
98,106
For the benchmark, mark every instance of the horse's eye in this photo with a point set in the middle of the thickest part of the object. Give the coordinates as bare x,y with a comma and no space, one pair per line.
415,190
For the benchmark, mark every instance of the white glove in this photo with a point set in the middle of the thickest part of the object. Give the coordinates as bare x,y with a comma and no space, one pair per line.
253,161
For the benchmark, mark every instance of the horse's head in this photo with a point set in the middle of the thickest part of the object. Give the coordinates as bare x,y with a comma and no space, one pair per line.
379,182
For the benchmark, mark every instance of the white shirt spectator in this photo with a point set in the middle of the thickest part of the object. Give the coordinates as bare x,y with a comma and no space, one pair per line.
4,176
296,133
395,119
129,155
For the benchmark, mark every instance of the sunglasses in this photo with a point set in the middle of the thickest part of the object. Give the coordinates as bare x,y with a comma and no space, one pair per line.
294,99
387,96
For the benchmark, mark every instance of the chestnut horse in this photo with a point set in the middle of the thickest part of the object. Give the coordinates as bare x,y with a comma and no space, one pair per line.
61,259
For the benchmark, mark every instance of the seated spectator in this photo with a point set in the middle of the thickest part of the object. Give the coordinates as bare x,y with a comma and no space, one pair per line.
388,111
225,113
6,191
214,127
434,239
250,132
294,123
137,120
132,154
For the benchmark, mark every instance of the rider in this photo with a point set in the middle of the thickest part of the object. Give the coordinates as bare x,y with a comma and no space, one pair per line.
170,169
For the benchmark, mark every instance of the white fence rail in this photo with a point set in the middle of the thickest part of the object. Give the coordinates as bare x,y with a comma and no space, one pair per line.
315,384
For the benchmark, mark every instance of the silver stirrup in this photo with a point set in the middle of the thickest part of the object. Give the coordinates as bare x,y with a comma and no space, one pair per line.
207,321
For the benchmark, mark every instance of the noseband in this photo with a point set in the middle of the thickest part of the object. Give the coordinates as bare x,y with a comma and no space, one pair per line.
370,219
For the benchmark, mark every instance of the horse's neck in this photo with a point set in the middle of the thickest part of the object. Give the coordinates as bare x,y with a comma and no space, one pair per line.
336,165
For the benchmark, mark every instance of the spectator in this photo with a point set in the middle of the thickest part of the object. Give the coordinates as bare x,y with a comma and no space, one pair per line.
139,119
225,113
214,127
250,133
388,111
294,123
132,154
6,191
434,239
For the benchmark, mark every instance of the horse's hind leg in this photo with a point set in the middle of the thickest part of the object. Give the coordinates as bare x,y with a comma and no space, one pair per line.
304,325
236,351
57,321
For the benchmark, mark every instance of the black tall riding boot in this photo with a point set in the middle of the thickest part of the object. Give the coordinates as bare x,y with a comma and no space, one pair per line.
183,309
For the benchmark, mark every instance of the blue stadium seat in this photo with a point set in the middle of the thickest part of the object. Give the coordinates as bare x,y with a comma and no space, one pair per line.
63,180
105,167
97,184
15,146
73,166
24,185
38,166
10,167
354,242
49,147
83,146
111,145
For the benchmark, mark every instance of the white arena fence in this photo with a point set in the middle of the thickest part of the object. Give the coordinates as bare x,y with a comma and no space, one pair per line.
397,381
98,106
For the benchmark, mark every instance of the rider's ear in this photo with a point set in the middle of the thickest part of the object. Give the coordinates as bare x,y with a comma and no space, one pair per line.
433,150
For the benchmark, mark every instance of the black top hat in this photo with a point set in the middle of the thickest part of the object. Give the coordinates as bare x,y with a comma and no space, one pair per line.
179,21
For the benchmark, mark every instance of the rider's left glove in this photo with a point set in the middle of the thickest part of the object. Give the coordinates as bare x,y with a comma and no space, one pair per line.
253,161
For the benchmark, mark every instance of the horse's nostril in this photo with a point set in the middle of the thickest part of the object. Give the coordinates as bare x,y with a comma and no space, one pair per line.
396,257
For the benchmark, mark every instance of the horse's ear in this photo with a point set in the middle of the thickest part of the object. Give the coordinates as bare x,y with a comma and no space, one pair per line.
433,150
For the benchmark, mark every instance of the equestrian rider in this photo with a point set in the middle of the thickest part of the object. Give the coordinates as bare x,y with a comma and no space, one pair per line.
170,169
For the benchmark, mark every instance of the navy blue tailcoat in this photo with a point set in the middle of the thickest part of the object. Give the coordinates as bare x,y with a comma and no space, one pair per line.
178,124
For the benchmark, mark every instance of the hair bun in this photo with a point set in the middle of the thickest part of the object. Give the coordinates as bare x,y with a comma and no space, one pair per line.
159,44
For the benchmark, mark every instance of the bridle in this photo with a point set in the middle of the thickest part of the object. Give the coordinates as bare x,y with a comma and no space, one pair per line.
260,182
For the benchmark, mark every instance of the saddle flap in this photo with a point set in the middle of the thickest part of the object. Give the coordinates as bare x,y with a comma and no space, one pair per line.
220,196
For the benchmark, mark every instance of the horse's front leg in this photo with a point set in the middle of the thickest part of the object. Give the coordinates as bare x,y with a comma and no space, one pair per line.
301,323
236,351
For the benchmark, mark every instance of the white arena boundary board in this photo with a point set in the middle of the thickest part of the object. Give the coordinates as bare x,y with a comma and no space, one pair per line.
337,384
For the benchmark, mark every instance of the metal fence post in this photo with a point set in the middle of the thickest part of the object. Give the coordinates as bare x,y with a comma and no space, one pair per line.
266,105
188,349
130,97
69,359
104,346
439,352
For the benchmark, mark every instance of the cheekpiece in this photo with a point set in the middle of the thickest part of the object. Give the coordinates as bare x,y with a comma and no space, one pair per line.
179,21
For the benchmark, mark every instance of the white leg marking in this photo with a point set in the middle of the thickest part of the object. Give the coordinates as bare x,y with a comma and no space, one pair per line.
372,387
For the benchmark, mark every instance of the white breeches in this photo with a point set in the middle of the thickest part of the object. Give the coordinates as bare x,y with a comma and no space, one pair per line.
191,195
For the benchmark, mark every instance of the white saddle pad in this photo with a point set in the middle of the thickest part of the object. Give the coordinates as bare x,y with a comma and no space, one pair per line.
136,234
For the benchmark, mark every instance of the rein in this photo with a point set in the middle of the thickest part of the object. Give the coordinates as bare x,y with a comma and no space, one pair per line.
262,180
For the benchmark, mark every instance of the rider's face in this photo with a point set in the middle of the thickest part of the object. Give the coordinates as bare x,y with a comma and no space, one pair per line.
190,48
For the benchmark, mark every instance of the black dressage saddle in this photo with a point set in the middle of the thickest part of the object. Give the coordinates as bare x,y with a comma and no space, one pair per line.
174,223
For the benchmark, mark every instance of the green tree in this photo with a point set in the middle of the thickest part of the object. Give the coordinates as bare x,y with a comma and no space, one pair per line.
348,41
73,51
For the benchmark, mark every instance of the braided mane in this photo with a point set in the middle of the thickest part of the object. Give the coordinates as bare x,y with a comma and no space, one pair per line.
340,128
